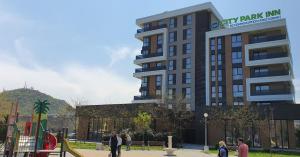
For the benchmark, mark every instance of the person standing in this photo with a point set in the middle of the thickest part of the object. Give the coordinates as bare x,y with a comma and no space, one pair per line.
223,151
243,148
128,142
119,145
113,143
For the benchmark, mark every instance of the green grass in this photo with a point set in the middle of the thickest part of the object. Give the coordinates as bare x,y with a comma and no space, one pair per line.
262,154
92,145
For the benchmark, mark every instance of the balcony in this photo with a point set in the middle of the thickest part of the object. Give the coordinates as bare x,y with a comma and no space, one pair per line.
259,39
270,73
139,70
270,92
151,28
149,55
269,55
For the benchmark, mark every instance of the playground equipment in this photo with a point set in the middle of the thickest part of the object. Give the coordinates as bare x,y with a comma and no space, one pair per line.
21,139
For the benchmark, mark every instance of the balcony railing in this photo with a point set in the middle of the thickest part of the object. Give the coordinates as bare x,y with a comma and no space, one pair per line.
149,55
271,92
269,55
145,97
151,28
270,73
150,69
259,39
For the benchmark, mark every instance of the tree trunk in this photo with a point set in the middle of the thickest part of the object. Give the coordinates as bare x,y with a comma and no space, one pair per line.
37,134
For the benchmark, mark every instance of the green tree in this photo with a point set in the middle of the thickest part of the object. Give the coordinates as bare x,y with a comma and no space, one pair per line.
40,107
142,122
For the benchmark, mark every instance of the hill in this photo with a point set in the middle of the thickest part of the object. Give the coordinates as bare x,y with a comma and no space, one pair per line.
27,97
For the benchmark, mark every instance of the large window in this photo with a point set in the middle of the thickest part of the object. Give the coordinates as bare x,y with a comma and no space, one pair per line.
261,71
158,80
236,40
171,93
172,65
159,39
220,91
212,44
147,26
213,60
237,73
213,75
144,93
187,20
145,81
172,36
187,78
219,75
262,88
172,50
187,48
219,59
146,41
237,90
236,57
172,79
219,43
213,91
186,92
173,22
187,63
187,33
158,92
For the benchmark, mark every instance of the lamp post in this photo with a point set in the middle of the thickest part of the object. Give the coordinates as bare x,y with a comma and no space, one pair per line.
206,148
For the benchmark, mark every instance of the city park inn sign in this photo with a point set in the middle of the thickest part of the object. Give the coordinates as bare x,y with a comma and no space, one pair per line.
248,19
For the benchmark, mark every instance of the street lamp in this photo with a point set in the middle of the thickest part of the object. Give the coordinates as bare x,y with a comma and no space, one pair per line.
206,148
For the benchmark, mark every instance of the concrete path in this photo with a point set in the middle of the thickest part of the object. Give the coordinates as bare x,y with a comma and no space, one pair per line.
139,153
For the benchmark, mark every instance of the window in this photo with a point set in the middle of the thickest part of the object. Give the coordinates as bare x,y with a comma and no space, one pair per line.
172,37
172,79
237,73
171,93
238,103
236,40
262,88
213,60
187,63
187,78
186,92
145,82
236,57
220,104
159,39
173,22
261,71
187,48
172,65
146,26
220,92
237,90
187,33
145,52
187,20
259,55
158,92
160,23
219,59
144,93
145,66
213,91
158,64
146,41
213,104
170,106
172,50
219,75
188,107
213,75
219,43
212,44
159,50
158,80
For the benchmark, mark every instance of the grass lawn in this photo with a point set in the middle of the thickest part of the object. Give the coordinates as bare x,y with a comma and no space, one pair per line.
92,145
262,154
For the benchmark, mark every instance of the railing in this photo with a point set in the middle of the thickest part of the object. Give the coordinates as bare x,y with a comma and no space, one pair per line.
150,69
151,28
269,55
271,92
266,38
145,97
270,73
149,55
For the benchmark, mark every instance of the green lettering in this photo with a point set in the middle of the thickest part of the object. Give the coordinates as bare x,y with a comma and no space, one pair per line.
242,18
253,16
273,13
236,19
259,15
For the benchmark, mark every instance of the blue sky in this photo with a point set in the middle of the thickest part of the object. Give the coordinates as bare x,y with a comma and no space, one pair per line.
84,50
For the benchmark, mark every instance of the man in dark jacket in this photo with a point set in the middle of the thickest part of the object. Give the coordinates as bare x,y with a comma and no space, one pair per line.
113,143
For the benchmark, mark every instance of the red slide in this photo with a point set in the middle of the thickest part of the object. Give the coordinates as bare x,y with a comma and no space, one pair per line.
50,143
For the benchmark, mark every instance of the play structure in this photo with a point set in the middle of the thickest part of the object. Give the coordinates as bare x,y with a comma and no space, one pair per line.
25,138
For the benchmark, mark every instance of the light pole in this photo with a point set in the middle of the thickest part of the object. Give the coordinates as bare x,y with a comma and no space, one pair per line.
206,148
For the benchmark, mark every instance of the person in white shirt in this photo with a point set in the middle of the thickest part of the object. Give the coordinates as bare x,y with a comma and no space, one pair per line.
119,145
128,142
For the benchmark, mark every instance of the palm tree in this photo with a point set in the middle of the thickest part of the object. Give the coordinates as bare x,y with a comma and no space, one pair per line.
40,107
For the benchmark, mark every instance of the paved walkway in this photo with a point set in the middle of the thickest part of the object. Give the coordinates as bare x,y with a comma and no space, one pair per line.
139,153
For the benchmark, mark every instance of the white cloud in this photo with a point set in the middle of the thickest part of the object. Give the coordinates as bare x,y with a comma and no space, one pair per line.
117,54
94,84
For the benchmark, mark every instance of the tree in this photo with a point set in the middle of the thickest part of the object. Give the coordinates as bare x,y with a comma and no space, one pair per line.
142,122
40,107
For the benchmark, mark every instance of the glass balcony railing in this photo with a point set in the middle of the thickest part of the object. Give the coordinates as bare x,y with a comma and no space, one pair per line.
270,73
149,55
151,28
270,92
145,97
269,55
150,69
259,39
